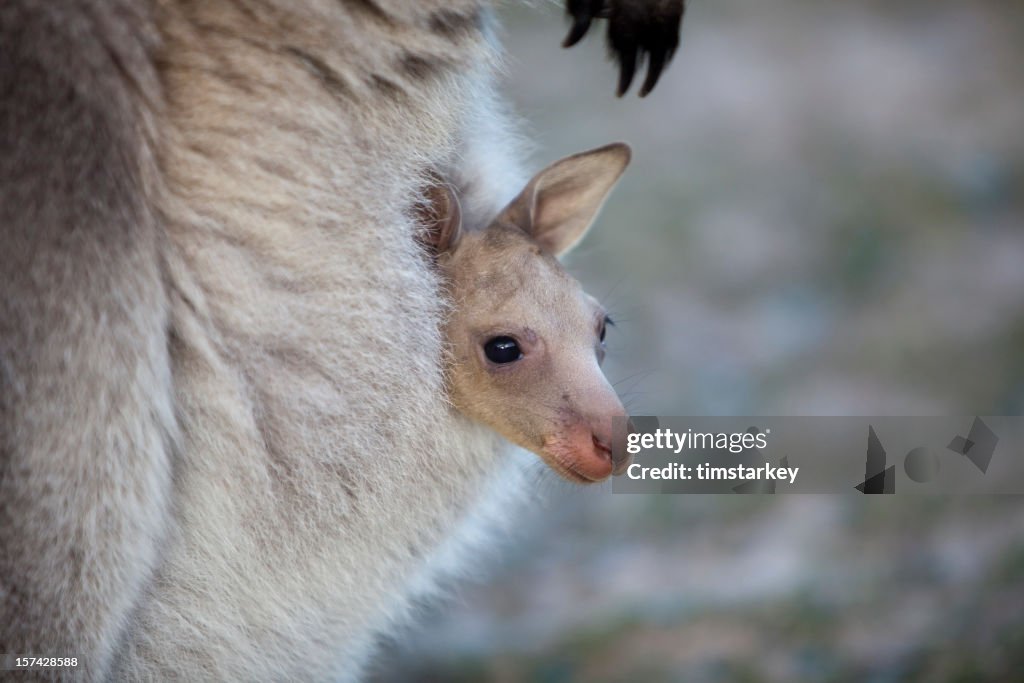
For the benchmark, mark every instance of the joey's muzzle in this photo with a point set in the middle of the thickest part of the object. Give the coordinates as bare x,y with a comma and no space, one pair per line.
583,450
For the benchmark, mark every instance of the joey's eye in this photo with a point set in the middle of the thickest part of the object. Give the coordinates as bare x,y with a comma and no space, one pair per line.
604,326
502,350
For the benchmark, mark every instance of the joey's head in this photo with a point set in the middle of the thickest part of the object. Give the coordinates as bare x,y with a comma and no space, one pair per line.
526,341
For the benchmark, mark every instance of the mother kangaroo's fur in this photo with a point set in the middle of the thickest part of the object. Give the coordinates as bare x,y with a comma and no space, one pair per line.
225,449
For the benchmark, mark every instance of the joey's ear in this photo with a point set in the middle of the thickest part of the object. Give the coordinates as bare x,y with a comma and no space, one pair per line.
560,203
442,219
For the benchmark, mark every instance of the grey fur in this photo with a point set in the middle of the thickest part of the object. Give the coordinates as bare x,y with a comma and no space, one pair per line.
218,457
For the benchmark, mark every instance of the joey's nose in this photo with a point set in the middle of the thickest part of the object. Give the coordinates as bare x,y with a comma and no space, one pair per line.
612,445
584,449
620,457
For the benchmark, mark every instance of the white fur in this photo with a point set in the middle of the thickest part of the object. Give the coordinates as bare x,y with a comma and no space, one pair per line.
269,430
324,480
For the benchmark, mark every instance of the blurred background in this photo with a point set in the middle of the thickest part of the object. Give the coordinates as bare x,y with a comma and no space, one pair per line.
824,216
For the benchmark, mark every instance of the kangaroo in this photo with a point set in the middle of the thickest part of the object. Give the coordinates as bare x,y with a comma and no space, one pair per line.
525,341
227,448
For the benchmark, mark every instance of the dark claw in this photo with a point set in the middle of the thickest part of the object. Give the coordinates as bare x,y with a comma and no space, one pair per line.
579,29
655,64
582,12
627,62
647,27
637,29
